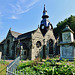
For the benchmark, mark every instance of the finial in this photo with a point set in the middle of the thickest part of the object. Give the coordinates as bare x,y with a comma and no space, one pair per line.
44,7
10,29
67,26
45,15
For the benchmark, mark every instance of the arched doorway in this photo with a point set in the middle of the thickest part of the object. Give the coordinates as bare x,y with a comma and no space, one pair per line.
50,46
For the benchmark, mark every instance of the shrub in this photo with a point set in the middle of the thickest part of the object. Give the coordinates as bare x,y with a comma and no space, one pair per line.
53,62
38,59
47,58
47,68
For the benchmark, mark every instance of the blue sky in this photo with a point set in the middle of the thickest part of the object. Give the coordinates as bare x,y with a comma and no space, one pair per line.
25,15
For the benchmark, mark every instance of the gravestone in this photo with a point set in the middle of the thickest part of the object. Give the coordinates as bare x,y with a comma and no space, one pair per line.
0,55
67,46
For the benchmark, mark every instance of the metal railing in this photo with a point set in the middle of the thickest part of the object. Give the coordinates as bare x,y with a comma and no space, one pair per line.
12,66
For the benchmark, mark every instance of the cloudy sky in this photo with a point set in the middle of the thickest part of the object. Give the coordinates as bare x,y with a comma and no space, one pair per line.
25,15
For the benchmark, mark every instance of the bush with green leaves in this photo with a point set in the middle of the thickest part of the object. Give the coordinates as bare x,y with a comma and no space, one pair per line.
46,68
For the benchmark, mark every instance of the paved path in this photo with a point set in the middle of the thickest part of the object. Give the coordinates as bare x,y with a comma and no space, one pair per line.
9,61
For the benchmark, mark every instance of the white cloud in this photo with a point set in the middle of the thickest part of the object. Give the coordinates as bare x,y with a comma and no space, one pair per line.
21,7
13,17
18,9
32,3
22,1
13,9
24,11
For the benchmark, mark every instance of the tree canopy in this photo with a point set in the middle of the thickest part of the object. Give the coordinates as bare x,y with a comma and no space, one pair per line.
61,25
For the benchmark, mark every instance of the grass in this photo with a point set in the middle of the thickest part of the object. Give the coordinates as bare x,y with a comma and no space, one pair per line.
2,69
3,65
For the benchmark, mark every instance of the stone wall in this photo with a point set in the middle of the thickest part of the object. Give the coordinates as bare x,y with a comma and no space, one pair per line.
37,36
11,43
49,35
67,51
27,43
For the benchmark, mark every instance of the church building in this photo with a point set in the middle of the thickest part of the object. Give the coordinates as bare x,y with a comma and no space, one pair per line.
39,42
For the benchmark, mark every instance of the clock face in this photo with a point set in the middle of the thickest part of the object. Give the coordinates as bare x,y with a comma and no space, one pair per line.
42,27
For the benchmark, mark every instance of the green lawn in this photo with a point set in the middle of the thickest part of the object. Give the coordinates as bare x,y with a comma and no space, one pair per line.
3,65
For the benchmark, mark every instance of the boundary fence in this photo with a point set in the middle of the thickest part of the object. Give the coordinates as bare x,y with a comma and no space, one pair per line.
12,67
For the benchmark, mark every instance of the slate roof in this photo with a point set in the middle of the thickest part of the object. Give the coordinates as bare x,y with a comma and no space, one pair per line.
67,29
26,35
2,42
15,34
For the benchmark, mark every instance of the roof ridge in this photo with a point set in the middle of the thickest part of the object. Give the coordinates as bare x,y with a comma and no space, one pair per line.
16,32
26,35
30,31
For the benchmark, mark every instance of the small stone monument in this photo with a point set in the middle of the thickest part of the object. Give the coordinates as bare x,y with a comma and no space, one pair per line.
67,46
0,55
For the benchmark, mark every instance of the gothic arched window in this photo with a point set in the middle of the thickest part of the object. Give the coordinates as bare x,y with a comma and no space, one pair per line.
50,46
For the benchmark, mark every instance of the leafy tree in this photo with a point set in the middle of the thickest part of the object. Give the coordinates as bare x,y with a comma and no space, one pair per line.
61,25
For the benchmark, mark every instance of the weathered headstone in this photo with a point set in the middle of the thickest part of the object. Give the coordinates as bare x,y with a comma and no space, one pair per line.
67,46
0,55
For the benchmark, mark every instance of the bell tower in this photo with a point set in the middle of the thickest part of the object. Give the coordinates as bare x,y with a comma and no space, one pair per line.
45,23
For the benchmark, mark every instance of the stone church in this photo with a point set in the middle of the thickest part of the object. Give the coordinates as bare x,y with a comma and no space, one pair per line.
40,42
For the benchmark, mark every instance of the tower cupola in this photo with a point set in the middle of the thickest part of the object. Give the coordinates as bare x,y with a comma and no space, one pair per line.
45,23
45,15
